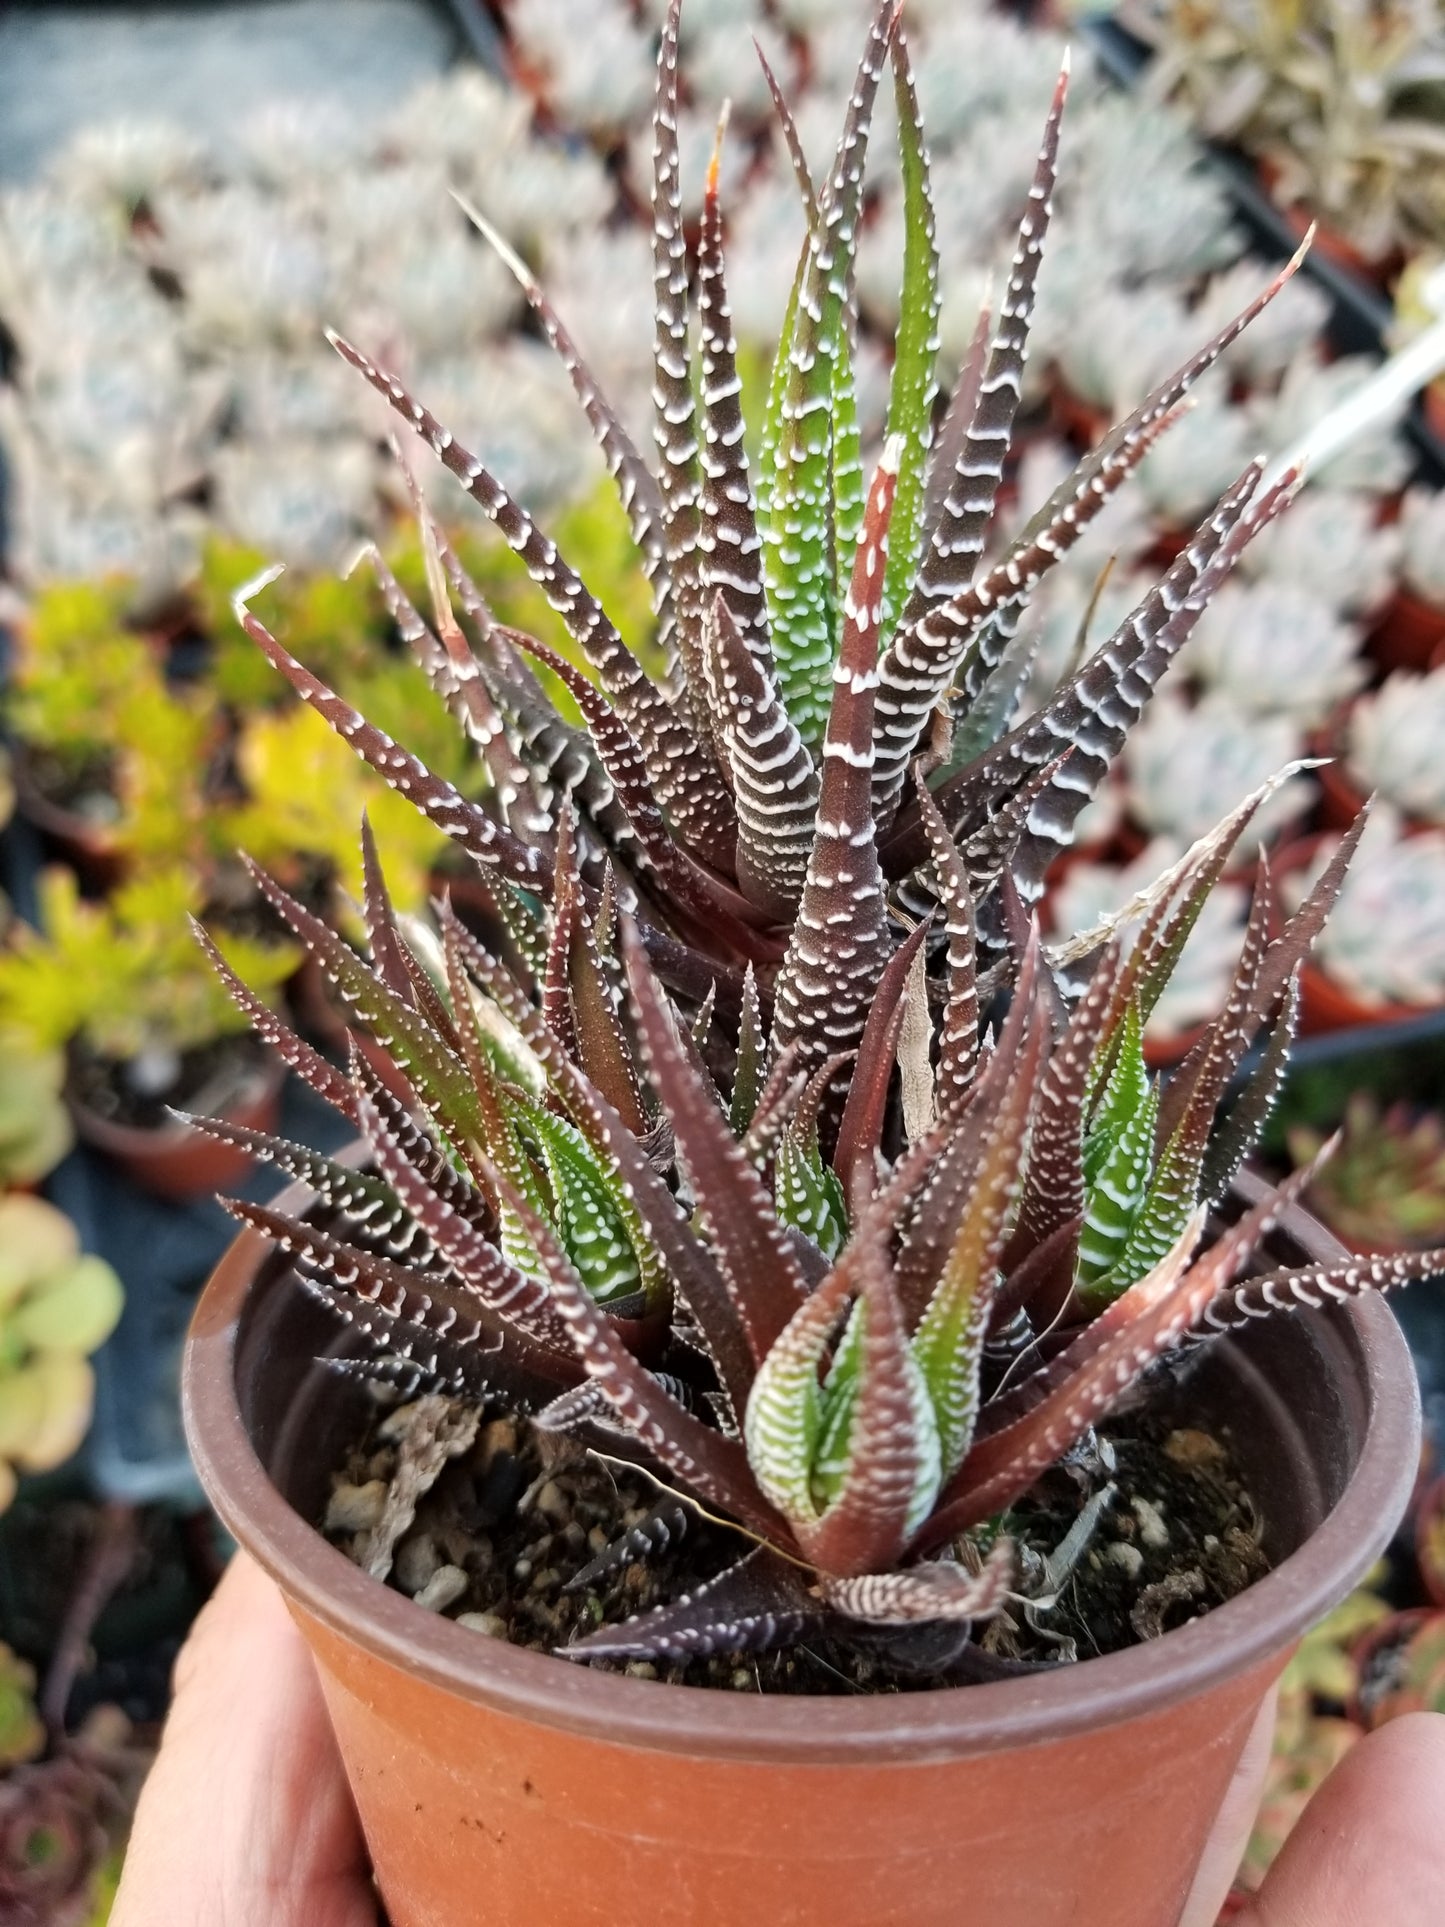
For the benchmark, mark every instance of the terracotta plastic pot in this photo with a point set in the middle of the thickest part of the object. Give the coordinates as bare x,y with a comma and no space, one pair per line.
496,1784
90,848
1409,634
176,1160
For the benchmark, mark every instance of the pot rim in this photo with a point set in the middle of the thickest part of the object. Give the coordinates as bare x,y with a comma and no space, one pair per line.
1246,1632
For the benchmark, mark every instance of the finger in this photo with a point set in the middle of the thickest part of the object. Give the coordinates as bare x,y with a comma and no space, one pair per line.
1225,1847
246,1817
1370,1848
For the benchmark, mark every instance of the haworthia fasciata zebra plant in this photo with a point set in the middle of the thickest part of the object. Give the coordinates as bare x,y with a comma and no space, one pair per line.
644,1162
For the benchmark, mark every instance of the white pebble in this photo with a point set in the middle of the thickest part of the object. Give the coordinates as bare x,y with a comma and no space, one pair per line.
443,1589
1152,1529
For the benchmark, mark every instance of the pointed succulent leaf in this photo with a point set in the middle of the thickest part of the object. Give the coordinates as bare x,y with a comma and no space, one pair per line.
712,1466
808,1195
705,895
938,1589
751,1068
1238,1133
442,802
438,1074
1004,1464
949,1341
860,1130
750,1607
825,989
958,1035
775,783
762,1277
728,540
915,354
687,779
694,1271
814,464
637,489
294,1052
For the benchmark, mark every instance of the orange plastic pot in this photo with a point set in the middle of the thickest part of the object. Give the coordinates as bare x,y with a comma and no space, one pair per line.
496,1784
176,1160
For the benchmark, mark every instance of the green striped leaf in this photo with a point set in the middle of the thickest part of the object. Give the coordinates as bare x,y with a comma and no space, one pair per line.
915,360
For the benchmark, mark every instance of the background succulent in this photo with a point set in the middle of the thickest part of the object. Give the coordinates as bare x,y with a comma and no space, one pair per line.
1395,738
56,1306
1385,941
1385,1186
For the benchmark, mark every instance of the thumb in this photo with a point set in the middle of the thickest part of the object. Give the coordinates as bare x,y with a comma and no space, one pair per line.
246,1817
1370,1848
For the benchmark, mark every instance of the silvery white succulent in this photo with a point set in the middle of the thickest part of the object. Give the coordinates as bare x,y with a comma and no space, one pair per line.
310,500
1186,766
1333,544
1186,469
295,140
465,121
1375,461
1113,344
1093,892
254,269
1396,743
1422,531
120,163
1385,938
1275,649
975,64
1154,206
594,62
1260,355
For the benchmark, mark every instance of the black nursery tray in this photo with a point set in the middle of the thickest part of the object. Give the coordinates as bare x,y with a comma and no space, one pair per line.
1359,316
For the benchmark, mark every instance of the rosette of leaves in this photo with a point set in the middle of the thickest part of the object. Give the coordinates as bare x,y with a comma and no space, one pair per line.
1385,1186
57,1305
651,1173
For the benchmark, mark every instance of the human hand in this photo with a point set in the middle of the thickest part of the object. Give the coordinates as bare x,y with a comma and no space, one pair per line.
1369,1850
246,1820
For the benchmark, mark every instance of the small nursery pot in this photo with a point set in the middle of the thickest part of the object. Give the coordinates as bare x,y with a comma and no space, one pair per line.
1409,633
176,1160
90,848
496,1784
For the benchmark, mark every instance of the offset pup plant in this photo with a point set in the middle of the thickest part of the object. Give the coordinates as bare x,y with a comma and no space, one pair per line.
641,1167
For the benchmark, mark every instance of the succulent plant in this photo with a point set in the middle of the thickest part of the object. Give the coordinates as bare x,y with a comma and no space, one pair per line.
1386,936
1094,894
1422,528
56,1306
1276,649
1396,743
1185,764
1340,97
665,1121
1375,462
118,975
34,1124
1333,545
1384,1189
